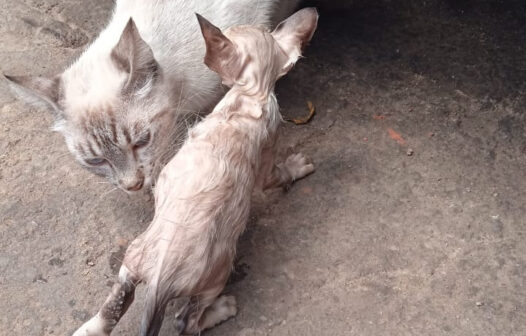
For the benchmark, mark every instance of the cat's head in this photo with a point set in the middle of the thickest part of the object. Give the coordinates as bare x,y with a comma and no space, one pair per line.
254,58
113,111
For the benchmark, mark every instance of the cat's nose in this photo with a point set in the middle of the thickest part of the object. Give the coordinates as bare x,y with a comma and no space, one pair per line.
132,182
135,187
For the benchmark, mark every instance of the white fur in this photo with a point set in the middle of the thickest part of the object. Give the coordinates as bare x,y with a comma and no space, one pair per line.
94,326
170,29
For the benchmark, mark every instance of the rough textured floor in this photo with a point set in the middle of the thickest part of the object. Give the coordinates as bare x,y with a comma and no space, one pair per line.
413,224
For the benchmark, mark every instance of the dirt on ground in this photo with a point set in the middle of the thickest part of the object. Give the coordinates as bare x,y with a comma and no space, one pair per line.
414,222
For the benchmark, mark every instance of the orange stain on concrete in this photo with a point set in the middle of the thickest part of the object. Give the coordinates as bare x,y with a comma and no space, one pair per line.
396,136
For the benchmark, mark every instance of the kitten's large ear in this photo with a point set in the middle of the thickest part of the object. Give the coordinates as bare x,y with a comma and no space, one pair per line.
37,91
134,56
220,51
294,33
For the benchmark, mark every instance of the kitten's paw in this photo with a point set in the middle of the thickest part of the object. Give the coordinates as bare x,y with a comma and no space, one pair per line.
180,325
180,318
299,166
94,327
225,307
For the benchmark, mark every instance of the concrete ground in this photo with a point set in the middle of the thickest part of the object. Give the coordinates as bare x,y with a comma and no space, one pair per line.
413,224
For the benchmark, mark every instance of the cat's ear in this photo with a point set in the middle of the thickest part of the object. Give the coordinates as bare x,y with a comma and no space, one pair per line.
40,92
220,54
294,33
135,57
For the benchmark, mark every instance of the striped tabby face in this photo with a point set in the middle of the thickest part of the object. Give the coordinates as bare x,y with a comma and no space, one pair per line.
116,116
120,145
121,134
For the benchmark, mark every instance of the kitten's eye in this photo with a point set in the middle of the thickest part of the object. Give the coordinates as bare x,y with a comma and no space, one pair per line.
96,161
143,141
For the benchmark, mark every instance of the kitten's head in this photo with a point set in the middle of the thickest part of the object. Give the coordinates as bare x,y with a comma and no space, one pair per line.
113,111
253,57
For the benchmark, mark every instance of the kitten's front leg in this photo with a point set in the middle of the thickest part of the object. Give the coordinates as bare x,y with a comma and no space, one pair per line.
272,175
295,167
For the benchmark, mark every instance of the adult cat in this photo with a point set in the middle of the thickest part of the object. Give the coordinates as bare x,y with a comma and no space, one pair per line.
123,106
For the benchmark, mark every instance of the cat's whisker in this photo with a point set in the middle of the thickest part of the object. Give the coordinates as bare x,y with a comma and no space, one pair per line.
180,95
108,192
188,100
60,156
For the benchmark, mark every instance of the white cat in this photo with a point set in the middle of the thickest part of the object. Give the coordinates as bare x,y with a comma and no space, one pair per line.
123,106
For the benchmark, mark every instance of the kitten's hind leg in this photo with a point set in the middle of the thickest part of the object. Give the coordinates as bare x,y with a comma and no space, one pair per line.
116,304
207,310
223,308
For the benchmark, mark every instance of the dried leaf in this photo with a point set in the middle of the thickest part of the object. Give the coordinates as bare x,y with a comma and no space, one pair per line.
305,119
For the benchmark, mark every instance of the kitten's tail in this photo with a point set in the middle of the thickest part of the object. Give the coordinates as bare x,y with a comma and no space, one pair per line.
160,290
156,301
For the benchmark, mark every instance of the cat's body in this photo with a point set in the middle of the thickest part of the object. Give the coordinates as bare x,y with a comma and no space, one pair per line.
203,194
123,106
168,28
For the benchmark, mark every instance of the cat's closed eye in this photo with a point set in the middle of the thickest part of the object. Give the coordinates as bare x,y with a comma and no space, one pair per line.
143,141
95,161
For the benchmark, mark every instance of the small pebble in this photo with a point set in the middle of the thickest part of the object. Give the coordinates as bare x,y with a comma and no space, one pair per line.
478,303
40,279
409,152
90,263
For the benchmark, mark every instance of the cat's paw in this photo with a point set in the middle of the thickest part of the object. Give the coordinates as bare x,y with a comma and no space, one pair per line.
298,165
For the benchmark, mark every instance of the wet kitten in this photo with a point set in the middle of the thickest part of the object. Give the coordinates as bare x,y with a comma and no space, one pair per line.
124,105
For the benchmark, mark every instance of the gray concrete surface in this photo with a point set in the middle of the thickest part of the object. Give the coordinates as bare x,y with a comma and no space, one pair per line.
376,242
